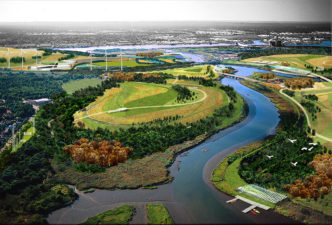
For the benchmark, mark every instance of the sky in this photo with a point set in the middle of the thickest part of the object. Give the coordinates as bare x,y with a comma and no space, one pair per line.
165,10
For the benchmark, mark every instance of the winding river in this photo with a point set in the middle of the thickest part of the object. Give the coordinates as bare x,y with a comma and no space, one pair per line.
191,198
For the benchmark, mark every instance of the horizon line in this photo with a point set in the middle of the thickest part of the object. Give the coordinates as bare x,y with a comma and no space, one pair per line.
163,21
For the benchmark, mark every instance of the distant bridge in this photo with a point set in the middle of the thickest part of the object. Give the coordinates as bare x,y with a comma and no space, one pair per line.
239,77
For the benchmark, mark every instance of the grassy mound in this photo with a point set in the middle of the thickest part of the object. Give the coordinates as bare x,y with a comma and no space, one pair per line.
120,215
158,214
195,71
146,102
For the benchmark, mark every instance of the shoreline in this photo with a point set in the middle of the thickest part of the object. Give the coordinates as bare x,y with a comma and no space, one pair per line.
214,162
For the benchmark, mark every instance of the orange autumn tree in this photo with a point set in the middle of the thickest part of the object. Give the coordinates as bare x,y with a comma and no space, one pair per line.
267,75
103,152
147,75
298,83
123,76
149,54
317,184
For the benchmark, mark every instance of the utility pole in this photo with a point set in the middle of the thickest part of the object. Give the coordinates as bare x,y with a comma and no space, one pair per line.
121,58
9,58
36,57
90,61
106,60
22,57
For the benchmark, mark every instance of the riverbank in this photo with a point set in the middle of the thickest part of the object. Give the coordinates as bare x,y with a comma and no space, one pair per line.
146,172
226,178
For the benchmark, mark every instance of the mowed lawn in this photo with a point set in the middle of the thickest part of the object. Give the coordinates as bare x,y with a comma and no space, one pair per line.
75,85
133,94
297,60
194,71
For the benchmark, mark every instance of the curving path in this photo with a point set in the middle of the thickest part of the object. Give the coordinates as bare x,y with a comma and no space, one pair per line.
306,115
147,107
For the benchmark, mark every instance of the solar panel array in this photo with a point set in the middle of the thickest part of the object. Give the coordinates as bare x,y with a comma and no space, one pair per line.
262,193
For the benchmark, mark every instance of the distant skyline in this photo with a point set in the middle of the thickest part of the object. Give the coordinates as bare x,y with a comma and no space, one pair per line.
170,10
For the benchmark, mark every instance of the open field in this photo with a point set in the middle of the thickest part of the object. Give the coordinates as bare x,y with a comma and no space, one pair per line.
195,71
323,123
148,102
158,214
120,215
72,86
297,60
130,63
27,54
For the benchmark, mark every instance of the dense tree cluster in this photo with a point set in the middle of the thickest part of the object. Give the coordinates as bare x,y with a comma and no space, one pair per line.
3,60
289,92
17,59
298,83
229,91
210,71
104,153
311,108
207,82
149,54
140,77
183,92
47,52
69,56
161,121
150,78
278,171
315,185
16,86
311,97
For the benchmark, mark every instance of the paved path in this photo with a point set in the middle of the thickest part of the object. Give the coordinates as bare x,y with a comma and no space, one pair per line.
321,77
147,107
176,80
306,115
294,100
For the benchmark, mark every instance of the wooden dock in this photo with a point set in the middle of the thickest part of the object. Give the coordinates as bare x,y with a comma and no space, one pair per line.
252,204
